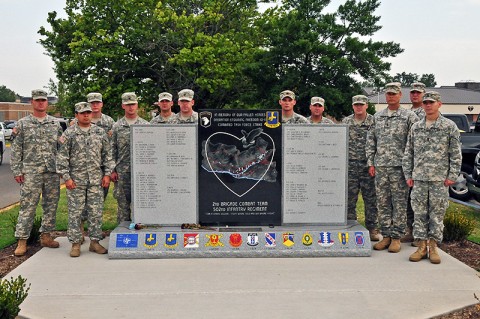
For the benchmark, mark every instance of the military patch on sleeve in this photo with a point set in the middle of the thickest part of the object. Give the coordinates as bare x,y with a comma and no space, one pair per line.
61,139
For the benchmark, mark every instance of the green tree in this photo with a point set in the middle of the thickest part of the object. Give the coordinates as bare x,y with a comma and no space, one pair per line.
408,78
7,95
428,80
315,53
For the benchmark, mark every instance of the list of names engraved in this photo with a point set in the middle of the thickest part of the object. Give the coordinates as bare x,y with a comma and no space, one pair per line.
315,174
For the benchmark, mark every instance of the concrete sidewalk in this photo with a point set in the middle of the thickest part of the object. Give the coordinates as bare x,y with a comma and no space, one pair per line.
383,286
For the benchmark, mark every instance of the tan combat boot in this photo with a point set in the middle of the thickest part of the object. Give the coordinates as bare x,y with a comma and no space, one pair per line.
383,244
421,252
46,240
432,252
75,252
395,245
374,234
408,238
96,247
21,248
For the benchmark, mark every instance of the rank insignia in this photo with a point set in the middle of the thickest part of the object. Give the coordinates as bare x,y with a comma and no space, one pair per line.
325,239
273,119
270,240
127,241
191,240
214,240
343,238
150,240
170,241
307,239
235,240
288,239
252,239
359,239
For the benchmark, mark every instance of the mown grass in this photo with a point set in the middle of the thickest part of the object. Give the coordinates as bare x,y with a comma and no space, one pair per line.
110,217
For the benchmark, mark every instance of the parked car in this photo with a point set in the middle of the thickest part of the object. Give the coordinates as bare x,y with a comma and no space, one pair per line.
473,180
9,129
2,142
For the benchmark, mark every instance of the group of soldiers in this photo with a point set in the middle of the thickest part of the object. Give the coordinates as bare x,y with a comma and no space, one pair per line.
390,153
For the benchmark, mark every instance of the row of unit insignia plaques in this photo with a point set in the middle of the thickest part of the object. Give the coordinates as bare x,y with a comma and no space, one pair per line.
236,240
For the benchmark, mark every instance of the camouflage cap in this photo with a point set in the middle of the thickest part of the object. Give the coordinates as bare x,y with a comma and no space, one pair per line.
129,98
94,97
394,87
81,107
165,96
417,86
287,93
432,96
185,95
317,100
39,95
359,99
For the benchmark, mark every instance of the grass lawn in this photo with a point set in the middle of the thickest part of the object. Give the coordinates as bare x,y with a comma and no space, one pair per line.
7,227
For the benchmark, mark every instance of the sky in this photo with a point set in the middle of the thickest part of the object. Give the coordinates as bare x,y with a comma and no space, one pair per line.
439,36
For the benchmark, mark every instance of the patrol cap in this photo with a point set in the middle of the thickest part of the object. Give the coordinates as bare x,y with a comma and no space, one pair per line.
94,97
39,95
418,87
185,95
432,96
129,98
359,99
317,100
287,93
81,107
165,96
394,87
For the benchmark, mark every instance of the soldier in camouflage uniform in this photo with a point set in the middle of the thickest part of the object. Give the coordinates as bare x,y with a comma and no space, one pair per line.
417,91
385,147
431,164
165,103
287,102
33,165
186,115
358,178
317,107
121,155
85,163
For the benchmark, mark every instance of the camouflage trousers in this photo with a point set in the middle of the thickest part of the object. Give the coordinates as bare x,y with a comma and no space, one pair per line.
123,194
409,210
429,202
392,195
85,211
360,180
89,197
46,184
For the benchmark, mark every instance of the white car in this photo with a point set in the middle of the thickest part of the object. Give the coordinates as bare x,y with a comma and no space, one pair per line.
2,142
8,130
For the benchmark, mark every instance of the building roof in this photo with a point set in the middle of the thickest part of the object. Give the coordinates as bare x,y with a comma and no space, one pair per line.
450,95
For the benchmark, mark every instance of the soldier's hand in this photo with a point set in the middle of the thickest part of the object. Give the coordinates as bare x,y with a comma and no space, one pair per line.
114,176
371,171
410,182
449,182
106,181
19,179
70,184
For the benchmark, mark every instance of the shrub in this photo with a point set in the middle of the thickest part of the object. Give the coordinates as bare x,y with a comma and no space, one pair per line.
34,233
12,293
457,226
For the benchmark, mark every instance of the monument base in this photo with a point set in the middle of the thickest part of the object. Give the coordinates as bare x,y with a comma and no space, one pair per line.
223,242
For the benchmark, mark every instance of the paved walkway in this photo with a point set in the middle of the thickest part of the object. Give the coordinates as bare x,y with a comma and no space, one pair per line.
383,286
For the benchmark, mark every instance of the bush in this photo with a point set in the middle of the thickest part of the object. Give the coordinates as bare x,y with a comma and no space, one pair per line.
457,226
12,293
34,233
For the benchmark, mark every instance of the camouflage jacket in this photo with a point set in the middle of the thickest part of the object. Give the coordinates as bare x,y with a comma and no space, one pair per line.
35,145
358,137
323,121
433,154
177,119
387,139
106,123
295,119
85,157
419,111
159,119
121,144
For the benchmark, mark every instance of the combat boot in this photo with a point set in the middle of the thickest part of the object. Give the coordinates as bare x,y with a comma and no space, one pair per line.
96,247
374,234
383,244
75,252
46,240
395,245
432,252
408,238
21,248
421,252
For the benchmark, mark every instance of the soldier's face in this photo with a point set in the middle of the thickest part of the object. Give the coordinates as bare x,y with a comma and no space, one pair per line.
84,118
416,97
186,107
165,105
393,98
96,106
317,109
130,109
359,108
431,107
40,105
287,103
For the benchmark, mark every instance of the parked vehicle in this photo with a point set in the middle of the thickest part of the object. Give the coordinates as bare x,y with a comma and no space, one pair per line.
9,130
2,142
